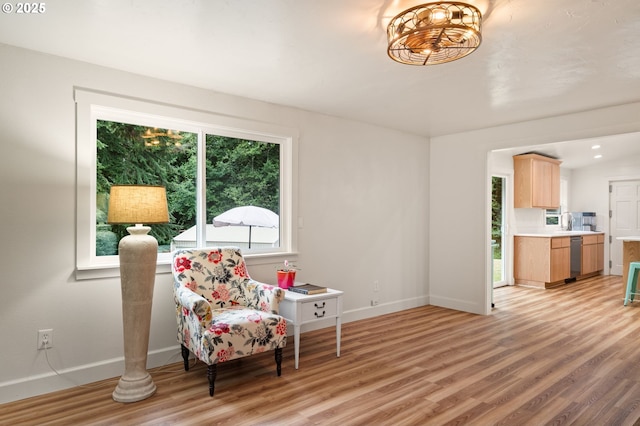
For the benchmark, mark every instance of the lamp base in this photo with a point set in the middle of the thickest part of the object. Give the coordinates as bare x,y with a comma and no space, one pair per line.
132,390
138,253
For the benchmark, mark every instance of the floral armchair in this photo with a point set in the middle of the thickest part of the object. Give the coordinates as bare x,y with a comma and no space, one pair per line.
222,313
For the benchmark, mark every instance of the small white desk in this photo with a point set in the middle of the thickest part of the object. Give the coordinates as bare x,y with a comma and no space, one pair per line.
299,309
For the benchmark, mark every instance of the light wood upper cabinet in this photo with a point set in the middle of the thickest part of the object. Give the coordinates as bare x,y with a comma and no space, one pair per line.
536,181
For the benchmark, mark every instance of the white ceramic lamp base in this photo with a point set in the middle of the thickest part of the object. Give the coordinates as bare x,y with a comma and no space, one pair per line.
138,253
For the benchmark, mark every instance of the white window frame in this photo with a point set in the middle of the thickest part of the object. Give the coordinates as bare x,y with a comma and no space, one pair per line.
92,106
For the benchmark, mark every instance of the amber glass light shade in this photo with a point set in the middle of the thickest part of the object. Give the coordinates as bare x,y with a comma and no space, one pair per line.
434,33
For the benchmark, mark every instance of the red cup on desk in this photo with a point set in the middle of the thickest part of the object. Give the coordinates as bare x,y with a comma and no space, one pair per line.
286,279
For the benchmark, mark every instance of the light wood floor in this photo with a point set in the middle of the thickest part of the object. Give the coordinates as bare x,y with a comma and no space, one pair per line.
568,355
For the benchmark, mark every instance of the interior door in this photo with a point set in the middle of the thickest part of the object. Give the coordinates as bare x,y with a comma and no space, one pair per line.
624,200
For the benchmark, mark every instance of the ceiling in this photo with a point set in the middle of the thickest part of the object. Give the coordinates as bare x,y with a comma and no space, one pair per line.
577,154
537,59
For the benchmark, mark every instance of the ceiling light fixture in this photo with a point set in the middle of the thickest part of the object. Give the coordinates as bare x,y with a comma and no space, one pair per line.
434,33
155,134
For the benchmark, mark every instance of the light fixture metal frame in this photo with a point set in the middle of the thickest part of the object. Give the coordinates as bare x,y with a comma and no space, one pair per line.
434,33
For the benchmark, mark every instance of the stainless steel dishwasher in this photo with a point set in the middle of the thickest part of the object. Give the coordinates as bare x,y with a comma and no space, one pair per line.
576,255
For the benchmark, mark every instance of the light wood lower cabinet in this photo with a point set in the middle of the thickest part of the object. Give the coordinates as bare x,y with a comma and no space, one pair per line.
560,259
540,261
600,254
589,254
545,262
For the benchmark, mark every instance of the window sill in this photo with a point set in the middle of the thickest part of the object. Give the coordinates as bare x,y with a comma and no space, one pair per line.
164,266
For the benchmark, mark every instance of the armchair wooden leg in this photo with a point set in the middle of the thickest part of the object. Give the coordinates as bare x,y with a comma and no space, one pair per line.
279,361
185,357
211,375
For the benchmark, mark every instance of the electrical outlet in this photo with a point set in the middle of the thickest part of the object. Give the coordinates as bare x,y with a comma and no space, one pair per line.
45,339
376,285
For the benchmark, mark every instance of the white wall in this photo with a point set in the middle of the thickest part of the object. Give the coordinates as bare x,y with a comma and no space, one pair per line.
363,200
460,215
590,192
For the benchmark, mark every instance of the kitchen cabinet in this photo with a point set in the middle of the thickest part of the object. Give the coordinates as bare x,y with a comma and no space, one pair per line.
592,254
600,255
560,259
544,260
536,181
541,261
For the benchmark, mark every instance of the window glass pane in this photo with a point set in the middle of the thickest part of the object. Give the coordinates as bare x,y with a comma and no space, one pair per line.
134,154
552,219
243,173
125,141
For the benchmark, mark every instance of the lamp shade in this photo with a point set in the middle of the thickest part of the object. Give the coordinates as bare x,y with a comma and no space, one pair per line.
144,204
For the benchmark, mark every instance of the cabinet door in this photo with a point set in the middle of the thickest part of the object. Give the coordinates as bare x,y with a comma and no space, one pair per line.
600,256
589,258
546,184
531,259
522,182
560,264
554,189
541,190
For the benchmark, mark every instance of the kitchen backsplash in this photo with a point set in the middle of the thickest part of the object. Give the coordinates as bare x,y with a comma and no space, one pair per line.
529,221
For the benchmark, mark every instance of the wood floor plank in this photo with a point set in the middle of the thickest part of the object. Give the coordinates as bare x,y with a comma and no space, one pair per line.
563,356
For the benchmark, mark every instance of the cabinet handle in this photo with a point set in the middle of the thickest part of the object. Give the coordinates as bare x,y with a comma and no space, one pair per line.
319,307
318,315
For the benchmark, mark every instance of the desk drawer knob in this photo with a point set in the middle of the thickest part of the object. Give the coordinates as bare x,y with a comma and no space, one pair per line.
319,307
319,315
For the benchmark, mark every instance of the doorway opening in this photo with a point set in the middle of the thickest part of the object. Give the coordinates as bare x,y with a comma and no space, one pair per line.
498,238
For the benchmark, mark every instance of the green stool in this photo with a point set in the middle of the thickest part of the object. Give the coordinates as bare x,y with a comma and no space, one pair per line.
634,268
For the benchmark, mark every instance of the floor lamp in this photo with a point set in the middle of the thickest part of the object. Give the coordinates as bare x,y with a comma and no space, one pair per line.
137,204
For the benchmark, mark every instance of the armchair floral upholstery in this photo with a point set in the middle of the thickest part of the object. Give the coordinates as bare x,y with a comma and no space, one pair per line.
222,313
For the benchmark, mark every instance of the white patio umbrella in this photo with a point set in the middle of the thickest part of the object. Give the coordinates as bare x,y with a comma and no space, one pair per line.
248,216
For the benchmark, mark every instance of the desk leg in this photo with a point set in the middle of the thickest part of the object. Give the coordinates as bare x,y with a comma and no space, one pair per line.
296,343
338,332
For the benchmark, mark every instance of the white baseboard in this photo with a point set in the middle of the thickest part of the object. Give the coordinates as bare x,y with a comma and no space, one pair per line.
84,375
457,304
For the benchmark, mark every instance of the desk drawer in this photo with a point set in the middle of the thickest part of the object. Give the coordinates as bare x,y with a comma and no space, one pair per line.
318,309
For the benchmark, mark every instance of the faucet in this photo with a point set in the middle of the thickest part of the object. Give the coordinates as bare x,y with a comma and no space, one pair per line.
569,220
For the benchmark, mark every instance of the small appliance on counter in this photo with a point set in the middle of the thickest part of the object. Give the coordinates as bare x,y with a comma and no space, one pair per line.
583,221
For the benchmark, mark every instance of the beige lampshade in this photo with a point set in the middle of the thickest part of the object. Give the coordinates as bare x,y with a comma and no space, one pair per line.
132,204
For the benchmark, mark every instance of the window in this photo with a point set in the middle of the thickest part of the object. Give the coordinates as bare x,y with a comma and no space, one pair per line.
209,164
552,217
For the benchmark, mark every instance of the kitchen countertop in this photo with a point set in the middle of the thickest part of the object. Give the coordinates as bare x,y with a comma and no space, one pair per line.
632,238
562,234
